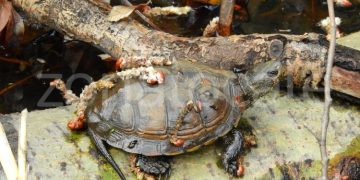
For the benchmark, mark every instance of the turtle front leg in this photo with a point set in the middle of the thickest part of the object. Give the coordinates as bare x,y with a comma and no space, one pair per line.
150,167
155,165
233,142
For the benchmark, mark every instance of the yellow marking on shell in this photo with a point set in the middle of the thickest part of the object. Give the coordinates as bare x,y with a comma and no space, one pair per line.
194,148
211,141
236,122
174,153
191,136
224,133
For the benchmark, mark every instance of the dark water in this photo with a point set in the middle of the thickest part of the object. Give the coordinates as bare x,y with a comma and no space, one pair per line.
50,57
266,16
296,17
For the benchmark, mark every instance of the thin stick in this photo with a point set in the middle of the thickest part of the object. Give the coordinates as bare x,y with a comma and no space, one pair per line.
226,16
107,8
101,4
21,81
142,16
328,100
7,159
15,61
22,146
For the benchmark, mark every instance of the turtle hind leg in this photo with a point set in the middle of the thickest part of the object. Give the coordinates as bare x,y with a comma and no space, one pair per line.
233,142
155,165
101,147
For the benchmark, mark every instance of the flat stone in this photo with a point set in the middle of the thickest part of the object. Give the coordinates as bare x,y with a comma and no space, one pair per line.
285,127
351,40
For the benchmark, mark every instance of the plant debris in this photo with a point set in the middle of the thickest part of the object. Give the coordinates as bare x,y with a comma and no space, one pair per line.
11,23
325,25
118,13
212,28
166,11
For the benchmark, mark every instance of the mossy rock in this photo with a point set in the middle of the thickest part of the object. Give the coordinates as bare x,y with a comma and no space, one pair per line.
284,127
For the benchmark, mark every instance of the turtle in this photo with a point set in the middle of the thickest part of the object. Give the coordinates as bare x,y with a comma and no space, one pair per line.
195,106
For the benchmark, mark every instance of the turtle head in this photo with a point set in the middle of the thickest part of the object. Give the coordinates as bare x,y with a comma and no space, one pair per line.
260,80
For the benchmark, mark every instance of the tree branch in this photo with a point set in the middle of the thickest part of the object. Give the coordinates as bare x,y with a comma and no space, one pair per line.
347,82
302,56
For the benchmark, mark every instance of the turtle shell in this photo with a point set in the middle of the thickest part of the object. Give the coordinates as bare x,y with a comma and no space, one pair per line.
141,118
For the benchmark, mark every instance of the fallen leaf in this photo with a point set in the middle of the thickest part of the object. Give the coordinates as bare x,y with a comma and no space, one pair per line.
5,13
120,12
11,23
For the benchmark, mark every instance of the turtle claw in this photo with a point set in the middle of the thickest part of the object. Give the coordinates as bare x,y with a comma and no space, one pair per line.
230,166
153,165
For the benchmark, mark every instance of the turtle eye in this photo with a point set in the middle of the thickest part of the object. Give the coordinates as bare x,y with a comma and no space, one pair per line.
208,94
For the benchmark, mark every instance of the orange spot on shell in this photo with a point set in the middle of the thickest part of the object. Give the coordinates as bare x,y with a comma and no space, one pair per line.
238,99
199,105
151,81
160,76
240,171
240,103
118,63
205,81
179,142
344,177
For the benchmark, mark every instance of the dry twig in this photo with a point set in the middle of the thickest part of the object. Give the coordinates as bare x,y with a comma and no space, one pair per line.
107,8
142,16
328,100
226,16
13,60
7,159
19,82
22,174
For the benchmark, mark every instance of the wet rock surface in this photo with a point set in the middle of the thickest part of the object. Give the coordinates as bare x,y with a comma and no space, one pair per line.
285,127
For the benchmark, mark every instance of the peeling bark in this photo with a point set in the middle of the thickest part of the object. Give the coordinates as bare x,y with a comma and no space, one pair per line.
304,56
226,17
344,81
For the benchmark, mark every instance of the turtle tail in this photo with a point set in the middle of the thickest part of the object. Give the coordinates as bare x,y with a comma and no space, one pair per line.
101,147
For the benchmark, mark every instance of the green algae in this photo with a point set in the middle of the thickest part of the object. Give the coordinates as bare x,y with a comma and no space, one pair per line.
106,171
311,169
352,150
